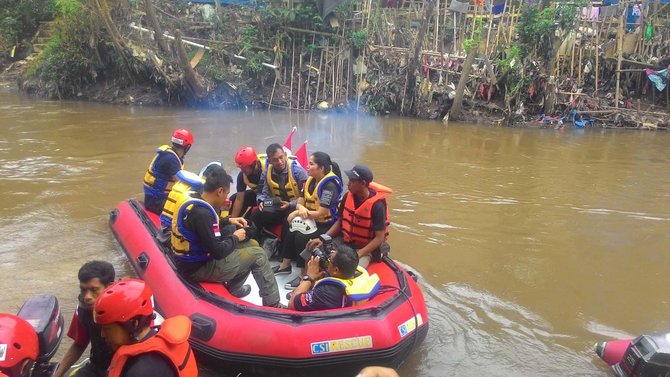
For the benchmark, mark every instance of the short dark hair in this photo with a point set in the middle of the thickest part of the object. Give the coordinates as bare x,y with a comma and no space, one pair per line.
216,178
97,269
272,149
346,259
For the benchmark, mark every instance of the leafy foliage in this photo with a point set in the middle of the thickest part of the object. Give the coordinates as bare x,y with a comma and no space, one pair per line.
19,20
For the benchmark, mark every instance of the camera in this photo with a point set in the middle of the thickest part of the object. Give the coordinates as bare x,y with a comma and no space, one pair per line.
322,252
271,205
252,231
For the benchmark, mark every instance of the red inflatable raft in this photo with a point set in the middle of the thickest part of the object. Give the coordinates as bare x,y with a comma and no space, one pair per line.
269,341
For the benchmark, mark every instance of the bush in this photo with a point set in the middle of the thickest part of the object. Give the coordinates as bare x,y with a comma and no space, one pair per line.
19,21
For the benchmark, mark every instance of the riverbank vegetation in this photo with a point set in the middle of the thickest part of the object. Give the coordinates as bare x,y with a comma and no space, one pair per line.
549,64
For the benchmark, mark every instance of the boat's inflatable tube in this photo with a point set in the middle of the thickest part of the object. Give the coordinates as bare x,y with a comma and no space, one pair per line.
269,341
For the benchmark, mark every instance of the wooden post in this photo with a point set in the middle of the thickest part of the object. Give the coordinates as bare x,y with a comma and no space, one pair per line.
619,46
158,32
457,106
597,58
193,81
413,64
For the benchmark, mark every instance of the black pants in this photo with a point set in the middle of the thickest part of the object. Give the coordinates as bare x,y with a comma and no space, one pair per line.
266,219
293,243
249,201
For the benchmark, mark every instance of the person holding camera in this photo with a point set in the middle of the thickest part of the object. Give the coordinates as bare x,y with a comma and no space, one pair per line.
333,280
363,218
207,248
321,194
281,184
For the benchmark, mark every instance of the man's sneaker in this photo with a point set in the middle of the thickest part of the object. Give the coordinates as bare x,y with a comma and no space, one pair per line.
279,305
277,270
293,284
242,292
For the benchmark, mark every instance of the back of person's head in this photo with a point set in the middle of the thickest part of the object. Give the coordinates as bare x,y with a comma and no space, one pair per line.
102,270
212,166
272,149
346,260
217,178
323,159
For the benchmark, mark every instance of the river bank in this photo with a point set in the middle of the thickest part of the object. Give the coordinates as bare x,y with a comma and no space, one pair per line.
429,60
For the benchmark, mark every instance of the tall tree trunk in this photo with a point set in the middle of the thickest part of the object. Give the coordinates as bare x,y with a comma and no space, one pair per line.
158,31
413,65
102,9
193,80
457,106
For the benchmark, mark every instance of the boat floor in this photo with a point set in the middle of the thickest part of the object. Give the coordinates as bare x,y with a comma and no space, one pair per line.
255,298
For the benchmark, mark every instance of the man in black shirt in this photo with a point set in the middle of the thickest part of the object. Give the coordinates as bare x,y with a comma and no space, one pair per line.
321,290
94,277
208,248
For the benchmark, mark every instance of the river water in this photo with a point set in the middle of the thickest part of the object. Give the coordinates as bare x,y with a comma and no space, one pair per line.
532,244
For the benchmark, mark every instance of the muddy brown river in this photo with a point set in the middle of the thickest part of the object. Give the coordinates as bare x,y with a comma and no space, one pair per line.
532,244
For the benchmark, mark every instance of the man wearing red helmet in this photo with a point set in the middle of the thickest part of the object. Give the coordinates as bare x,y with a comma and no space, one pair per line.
251,168
161,174
125,312
18,346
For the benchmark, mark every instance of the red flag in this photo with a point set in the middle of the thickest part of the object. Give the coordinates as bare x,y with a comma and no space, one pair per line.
301,154
287,143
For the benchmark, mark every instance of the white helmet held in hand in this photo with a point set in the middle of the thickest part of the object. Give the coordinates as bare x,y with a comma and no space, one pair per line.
298,224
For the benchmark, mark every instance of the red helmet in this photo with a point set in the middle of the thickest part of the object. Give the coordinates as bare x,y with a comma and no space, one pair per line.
246,156
19,340
182,137
123,301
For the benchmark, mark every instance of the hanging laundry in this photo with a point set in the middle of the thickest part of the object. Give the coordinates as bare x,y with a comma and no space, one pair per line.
610,2
658,78
458,6
608,11
590,13
495,6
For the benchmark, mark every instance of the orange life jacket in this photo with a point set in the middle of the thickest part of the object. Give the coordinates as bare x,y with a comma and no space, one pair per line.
357,222
171,341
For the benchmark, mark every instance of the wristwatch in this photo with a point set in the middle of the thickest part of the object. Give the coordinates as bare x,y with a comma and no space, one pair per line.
307,278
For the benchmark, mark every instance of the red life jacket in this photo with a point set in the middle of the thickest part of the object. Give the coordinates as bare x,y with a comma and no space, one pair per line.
171,341
357,222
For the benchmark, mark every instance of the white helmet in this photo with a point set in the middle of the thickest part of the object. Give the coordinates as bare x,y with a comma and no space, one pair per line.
307,226
206,167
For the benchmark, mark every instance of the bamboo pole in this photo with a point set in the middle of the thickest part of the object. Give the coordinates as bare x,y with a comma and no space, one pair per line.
619,57
297,105
309,74
597,49
436,35
579,67
290,101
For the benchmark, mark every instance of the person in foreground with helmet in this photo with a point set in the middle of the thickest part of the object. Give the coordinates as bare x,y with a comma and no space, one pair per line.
251,167
281,184
125,312
321,194
207,248
342,283
163,168
94,277
19,346
363,218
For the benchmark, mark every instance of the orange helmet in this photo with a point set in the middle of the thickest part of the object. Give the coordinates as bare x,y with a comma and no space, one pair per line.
245,156
182,137
18,342
123,301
